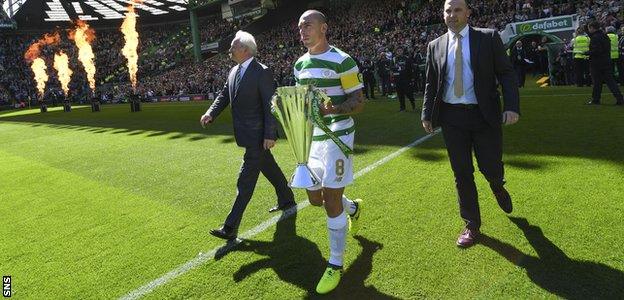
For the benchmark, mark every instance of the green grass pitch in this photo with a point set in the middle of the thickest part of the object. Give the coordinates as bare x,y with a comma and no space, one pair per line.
95,205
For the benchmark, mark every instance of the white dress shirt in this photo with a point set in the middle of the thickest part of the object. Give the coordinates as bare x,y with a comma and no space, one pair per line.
469,96
244,66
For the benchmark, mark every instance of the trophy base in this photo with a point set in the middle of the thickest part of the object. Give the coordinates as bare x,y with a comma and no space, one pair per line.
303,177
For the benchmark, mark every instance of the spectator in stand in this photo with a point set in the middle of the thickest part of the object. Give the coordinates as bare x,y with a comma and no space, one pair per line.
364,30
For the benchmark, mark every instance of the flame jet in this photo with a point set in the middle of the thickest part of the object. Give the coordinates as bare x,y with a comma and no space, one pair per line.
61,64
83,36
131,36
38,65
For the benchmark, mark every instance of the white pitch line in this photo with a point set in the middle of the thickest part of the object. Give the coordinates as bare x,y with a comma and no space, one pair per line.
204,257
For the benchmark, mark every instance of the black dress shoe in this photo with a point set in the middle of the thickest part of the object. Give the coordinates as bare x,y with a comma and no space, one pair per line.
225,232
504,199
282,207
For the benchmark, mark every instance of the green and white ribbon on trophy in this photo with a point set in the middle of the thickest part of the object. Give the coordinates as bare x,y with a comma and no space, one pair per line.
297,109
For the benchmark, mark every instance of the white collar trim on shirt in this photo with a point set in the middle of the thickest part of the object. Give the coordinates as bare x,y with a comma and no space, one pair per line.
321,54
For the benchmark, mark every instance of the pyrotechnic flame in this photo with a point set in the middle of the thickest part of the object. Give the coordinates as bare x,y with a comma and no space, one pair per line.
83,35
41,77
61,64
131,36
38,64
48,39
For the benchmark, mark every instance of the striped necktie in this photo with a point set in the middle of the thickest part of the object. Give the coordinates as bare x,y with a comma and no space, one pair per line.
237,77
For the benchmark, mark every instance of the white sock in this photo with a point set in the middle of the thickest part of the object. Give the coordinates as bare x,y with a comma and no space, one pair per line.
348,205
337,228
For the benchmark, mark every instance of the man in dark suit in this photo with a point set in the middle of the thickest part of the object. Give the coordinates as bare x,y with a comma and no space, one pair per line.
600,65
368,71
383,70
518,59
463,66
403,69
249,89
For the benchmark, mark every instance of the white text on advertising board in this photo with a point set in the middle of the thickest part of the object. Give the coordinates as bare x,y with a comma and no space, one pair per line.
544,25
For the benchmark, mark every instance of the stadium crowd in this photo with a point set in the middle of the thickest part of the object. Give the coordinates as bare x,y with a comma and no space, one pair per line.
161,47
371,31
374,32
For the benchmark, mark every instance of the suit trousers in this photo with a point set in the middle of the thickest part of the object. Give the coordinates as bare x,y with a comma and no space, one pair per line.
257,160
521,73
385,84
404,89
369,84
465,130
604,74
580,71
620,67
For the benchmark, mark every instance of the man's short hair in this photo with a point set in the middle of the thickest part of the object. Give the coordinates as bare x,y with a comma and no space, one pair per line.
247,40
594,24
316,15
465,1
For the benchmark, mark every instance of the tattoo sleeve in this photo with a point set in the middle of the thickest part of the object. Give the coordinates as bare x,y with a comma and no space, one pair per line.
353,105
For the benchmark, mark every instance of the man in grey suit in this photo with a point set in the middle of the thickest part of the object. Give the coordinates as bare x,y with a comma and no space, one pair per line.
461,96
249,89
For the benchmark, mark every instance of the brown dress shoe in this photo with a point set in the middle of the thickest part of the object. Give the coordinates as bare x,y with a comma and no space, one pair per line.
467,238
504,200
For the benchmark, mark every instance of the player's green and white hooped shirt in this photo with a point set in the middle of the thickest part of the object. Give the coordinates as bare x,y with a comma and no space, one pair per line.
335,73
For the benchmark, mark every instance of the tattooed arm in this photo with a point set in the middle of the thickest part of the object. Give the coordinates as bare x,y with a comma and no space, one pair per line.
353,105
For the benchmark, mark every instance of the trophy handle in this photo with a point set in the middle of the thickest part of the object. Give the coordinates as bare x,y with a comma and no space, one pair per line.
303,177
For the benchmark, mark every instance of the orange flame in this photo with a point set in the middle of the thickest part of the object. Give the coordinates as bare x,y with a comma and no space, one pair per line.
83,35
35,49
131,36
38,64
61,64
39,68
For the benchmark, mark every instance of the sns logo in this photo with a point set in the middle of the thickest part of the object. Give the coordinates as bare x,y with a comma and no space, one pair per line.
6,286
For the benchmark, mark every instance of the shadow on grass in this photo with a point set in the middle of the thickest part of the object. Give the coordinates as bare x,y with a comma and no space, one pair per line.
428,155
550,126
557,127
555,272
183,119
299,261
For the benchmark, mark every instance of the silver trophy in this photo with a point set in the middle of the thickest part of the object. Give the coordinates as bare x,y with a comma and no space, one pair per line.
292,106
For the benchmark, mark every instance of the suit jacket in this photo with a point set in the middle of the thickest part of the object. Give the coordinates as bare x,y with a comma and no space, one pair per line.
599,50
251,105
489,64
518,56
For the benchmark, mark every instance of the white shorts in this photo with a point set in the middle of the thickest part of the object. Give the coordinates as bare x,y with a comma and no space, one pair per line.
330,165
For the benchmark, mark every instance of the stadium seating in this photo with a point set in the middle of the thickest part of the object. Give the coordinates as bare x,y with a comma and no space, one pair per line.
362,28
